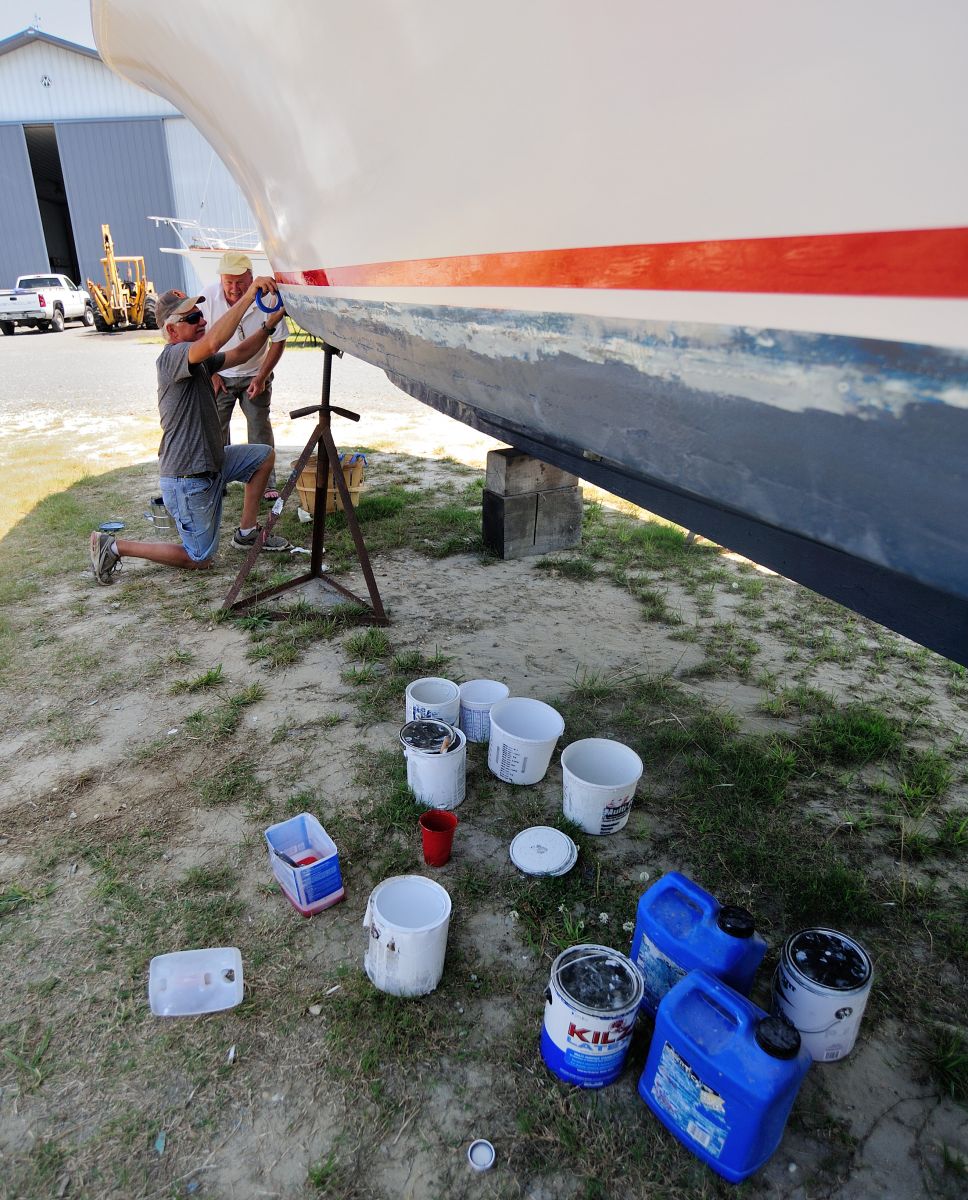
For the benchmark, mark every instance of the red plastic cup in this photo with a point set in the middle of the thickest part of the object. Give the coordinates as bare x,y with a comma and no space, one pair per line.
437,828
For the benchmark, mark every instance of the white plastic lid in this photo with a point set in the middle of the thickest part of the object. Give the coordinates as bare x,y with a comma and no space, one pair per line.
480,1154
542,850
189,982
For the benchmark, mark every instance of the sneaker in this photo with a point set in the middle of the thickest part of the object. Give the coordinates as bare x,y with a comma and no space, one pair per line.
274,542
104,561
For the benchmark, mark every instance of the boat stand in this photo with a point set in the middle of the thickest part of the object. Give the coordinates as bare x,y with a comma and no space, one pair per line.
325,463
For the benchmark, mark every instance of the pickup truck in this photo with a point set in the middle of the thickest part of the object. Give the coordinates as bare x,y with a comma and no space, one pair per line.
44,302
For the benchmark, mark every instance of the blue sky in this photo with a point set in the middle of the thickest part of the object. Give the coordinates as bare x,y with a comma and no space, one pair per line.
67,19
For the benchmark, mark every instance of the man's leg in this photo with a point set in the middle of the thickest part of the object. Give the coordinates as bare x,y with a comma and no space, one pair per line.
258,423
252,465
254,489
225,403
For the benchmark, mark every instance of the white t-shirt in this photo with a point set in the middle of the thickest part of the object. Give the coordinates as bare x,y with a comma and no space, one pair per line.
217,306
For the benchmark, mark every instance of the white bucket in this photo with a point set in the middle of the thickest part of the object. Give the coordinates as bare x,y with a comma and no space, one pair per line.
438,780
523,736
407,918
598,778
476,699
432,697
821,987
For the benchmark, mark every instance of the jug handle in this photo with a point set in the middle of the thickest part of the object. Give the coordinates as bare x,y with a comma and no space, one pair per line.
728,1002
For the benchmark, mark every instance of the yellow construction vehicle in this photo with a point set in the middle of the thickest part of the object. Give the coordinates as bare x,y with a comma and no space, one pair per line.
127,303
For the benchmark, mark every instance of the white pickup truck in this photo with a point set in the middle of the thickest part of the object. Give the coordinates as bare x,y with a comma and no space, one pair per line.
44,302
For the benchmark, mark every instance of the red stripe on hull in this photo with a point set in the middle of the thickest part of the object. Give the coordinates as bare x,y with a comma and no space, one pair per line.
913,263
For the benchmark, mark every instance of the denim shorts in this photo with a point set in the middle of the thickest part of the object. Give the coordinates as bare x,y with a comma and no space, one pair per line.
195,501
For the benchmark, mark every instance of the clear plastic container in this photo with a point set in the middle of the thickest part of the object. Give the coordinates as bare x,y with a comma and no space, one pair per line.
189,982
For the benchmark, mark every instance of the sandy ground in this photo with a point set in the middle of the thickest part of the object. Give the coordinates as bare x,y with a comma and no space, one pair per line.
538,632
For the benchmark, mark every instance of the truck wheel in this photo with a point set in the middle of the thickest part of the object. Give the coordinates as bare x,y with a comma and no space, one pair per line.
88,317
151,312
6,328
57,322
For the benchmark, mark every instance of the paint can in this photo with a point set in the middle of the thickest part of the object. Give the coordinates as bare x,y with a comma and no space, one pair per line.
436,776
598,779
407,919
821,987
432,697
523,736
591,1004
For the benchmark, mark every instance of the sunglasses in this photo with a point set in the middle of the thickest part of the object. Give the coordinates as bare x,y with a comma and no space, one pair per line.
191,318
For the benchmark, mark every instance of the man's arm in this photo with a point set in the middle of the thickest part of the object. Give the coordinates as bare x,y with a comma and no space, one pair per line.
214,338
253,343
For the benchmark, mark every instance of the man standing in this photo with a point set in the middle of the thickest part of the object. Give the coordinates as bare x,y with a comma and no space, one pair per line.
249,383
194,464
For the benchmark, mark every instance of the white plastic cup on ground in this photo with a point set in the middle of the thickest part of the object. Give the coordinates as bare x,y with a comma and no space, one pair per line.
433,697
598,779
476,698
524,733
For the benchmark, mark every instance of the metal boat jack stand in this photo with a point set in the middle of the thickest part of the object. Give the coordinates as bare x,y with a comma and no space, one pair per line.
325,463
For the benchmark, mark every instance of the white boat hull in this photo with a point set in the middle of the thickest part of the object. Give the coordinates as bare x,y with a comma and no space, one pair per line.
714,259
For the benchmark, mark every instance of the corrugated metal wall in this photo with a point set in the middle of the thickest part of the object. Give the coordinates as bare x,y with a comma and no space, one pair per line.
22,246
40,83
116,172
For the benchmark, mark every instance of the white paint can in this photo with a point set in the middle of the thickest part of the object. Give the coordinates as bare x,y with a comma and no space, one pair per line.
407,918
523,737
821,987
437,779
434,698
598,779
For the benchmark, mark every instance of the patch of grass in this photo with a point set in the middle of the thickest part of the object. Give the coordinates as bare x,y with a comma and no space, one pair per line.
232,782
368,644
858,733
219,723
569,568
208,679
925,777
947,1060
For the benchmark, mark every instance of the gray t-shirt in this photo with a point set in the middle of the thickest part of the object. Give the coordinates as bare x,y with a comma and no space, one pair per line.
191,437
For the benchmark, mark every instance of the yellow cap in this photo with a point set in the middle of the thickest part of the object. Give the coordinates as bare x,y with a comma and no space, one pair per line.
234,262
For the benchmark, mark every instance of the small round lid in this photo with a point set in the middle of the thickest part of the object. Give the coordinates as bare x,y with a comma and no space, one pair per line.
480,1154
542,850
778,1038
736,921
428,734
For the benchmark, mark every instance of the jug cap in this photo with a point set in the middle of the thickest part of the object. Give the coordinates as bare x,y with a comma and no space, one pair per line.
778,1038
737,922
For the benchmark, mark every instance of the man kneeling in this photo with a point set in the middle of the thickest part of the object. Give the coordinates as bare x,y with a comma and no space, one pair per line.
195,467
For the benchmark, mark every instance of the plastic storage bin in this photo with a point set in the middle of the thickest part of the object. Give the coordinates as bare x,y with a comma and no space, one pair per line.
722,1075
680,927
315,881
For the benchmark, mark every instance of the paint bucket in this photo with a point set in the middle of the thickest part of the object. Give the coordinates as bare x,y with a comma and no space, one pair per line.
523,737
437,828
821,987
407,918
591,1004
431,697
476,698
722,1075
437,779
598,778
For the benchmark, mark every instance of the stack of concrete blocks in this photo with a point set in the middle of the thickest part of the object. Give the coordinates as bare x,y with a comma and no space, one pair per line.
530,507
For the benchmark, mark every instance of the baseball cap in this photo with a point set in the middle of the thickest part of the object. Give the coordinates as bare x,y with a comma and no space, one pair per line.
233,262
175,304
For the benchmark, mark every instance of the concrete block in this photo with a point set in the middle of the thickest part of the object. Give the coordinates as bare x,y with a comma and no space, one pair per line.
513,473
536,523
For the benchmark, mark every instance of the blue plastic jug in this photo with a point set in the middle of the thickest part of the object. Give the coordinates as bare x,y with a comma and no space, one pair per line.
679,927
722,1075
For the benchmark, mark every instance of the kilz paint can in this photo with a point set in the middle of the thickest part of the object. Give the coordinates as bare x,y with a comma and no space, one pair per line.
821,987
592,1002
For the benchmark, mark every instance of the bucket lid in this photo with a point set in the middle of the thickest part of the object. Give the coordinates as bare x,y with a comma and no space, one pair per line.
778,1038
542,850
429,735
737,922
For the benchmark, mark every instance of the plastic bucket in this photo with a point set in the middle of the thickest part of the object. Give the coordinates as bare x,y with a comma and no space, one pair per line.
432,697
821,987
476,699
598,778
592,1001
407,919
438,780
523,736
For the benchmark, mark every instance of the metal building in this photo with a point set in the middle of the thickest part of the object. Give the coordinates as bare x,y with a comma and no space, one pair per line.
80,147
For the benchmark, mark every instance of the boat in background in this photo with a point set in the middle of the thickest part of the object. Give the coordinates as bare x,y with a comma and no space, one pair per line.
202,247
713,259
